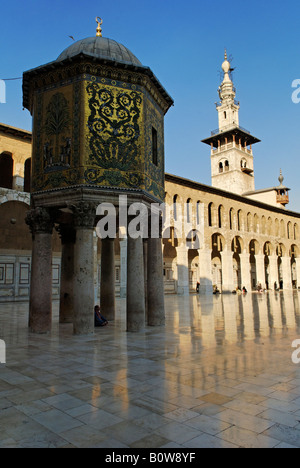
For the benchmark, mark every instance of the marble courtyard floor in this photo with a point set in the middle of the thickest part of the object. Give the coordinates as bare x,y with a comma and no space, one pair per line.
219,374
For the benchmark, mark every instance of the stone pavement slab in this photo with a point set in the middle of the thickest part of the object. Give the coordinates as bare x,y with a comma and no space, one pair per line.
206,379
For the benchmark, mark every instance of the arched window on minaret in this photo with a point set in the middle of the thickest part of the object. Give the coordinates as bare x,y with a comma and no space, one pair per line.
226,166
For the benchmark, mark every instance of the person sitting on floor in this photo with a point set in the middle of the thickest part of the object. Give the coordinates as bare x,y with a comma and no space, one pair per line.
100,321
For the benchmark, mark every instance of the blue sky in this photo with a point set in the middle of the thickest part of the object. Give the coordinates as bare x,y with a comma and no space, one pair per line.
183,43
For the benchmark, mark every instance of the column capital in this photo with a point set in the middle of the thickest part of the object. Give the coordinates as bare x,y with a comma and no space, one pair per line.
84,214
39,220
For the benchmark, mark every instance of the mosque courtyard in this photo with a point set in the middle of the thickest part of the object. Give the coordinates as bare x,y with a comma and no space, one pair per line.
219,374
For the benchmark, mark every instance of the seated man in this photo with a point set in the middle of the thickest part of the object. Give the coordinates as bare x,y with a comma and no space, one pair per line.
100,321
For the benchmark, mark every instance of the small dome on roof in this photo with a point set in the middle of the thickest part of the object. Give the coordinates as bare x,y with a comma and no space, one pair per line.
102,48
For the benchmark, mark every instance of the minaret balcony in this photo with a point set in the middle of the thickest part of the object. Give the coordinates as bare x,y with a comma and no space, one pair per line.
230,145
282,199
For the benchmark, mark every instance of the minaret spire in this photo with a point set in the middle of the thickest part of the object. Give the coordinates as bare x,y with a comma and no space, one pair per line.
231,145
228,108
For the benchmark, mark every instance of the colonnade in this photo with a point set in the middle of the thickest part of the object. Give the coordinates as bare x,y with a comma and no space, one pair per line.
144,285
267,275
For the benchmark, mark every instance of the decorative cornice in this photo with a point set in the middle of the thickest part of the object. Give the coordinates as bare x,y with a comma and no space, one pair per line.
177,180
64,71
16,132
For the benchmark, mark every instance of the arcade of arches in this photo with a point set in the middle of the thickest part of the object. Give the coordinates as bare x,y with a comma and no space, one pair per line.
229,241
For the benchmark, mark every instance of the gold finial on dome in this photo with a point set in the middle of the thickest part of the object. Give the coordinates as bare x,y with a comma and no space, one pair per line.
225,56
99,21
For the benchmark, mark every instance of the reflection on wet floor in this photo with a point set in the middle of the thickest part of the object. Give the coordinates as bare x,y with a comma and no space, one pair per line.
219,374
231,319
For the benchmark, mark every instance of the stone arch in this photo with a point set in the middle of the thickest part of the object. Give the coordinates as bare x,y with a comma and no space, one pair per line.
240,220
6,170
296,231
249,222
193,239
189,211
281,250
232,219
14,233
218,243
211,212
294,251
255,224
237,247
282,229
294,254
193,245
170,243
289,230
243,163
176,206
171,235
198,212
276,233
217,246
263,225
254,249
270,226
268,250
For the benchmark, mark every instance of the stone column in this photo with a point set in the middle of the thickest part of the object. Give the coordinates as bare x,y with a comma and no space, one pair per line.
135,285
227,271
273,271
205,271
40,307
245,271
298,271
66,306
96,271
84,219
107,288
183,281
286,272
123,272
156,295
145,252
260,269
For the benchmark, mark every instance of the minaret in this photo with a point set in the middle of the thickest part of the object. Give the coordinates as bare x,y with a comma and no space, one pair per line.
282,195
231,145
